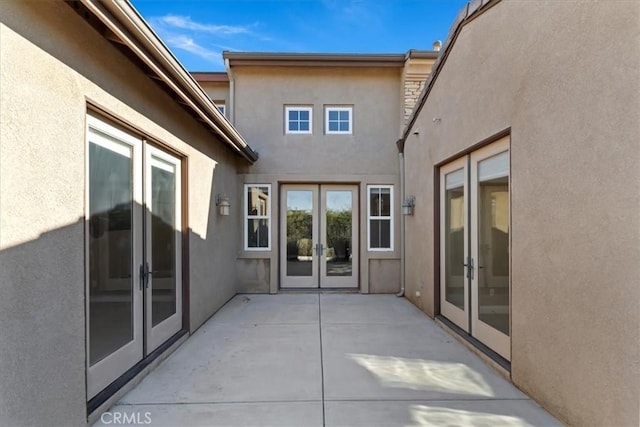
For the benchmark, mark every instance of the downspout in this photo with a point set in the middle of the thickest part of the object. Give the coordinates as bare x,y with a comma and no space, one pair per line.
232,93
400,145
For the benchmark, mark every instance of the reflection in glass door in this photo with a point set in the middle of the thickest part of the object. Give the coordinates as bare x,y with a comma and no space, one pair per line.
474,245
114,252
490,247
339,260
300,213
163,247
454,243
134,253
319,245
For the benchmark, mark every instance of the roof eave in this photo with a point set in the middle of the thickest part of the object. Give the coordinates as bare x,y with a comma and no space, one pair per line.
470,11
277,59
125,23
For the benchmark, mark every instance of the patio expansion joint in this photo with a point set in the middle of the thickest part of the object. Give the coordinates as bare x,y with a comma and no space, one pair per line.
495,399
231,402
321,359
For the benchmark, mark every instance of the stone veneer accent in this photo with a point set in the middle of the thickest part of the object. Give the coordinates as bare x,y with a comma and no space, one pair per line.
412,90
417,69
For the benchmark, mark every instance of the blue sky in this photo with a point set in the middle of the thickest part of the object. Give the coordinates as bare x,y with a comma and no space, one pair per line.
197,31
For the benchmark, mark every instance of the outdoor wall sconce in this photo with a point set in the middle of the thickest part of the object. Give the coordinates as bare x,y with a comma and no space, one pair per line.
408,205
222,202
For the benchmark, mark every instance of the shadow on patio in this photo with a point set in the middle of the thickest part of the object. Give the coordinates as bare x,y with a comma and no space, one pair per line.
325,359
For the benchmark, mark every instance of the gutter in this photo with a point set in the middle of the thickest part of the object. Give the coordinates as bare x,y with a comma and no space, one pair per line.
232,91
403,261
277,59
131,30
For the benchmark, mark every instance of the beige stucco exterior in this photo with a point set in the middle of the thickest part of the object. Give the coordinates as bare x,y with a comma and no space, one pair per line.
53,65
562,78
367,156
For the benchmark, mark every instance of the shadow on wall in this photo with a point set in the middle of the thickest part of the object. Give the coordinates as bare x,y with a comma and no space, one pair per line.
42,309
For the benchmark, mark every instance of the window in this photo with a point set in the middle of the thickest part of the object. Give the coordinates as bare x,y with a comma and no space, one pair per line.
221,107
339,120
380,217
298,119
257,223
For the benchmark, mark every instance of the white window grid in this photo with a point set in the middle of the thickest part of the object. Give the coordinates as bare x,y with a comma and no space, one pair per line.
266,216
389,217
298,109
339,120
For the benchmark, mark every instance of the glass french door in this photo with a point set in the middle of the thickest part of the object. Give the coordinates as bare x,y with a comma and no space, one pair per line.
133,250
319,236
474,245
163,247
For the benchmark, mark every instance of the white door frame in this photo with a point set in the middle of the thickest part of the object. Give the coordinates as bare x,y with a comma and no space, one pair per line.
495,339
156,335
105,371
319,277
299,281
327,281
146,338
468,319
458,316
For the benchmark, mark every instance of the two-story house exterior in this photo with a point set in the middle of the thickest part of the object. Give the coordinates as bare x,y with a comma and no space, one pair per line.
321,209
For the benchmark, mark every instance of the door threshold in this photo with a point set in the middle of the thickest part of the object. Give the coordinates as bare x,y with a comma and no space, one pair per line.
319,291
501,364
121,382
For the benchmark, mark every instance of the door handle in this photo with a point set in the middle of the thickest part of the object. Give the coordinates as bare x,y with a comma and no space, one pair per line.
143,276
145,272
319,249
470,268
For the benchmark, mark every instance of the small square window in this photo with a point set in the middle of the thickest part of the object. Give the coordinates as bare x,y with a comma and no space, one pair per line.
339,120
221,107
298,119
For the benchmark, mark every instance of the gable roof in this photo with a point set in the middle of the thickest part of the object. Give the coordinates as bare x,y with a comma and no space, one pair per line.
120,23
470,11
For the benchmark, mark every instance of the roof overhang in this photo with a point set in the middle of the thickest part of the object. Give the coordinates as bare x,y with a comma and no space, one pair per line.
205,76
123,25
261,59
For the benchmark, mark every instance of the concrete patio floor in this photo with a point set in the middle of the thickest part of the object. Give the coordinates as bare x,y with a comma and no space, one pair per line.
326,359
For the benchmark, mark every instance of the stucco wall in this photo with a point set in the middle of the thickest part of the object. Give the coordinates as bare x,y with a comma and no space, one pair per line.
52,62
368,156
261,94
564,77
218,92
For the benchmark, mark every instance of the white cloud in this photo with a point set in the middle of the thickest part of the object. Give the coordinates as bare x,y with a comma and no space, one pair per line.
186,43
186,23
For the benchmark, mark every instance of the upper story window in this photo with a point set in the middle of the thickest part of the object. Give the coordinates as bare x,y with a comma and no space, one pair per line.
339,120
222,108
298,119
380,217
257,220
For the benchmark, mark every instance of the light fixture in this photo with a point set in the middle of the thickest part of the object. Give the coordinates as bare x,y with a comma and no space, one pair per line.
408,205
222,202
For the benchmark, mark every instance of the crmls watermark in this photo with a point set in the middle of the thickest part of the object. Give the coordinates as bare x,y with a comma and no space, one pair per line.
123,418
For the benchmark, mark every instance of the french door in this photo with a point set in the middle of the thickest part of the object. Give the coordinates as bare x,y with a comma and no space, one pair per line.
474,245
134,253
319,236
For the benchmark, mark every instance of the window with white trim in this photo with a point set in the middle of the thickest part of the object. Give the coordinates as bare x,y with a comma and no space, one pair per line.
298,119
221,107
339,120
380,217
257,217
